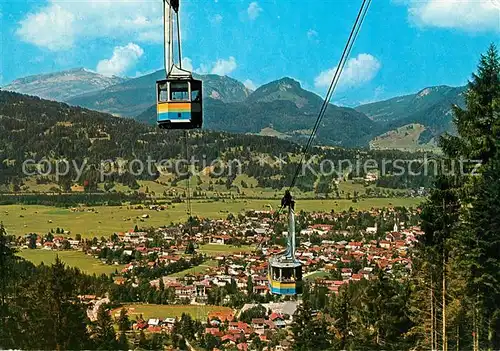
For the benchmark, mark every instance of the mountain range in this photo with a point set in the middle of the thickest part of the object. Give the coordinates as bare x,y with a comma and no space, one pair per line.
61,86
280,108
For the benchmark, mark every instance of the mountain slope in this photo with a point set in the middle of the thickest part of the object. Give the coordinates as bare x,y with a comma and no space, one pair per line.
411,137
134,96
61,86
430,107
34,129
31,127
286,108
86,141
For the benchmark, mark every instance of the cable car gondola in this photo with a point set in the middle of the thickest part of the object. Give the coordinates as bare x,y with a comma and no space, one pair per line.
284,271
179,100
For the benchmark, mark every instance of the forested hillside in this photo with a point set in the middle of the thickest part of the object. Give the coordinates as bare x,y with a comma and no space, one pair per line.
31,128
430,107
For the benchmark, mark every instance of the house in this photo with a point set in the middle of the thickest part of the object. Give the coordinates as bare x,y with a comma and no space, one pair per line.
258,323
169,321
229,338
260,289
201,289
385,244
260,280
221,316
119,280
140,325
346,272
213,331
220,239
153,329
243,346
372,230
48,245
278,320
182,291
154,322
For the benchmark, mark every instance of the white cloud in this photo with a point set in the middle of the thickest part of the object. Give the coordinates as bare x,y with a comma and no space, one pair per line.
357,71
124,58
203,69
187,63
61,23
51,28
217,18
249,84
221,67
312,34
468,15
224,67
254,10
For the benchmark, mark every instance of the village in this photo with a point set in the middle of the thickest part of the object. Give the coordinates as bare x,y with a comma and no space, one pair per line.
224,263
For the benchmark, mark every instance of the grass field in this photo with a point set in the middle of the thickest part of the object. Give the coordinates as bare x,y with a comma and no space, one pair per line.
403,138
21,219
195,270
317,274
170,311
77,259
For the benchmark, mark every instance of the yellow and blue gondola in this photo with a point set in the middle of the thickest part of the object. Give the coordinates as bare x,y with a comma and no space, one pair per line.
179,103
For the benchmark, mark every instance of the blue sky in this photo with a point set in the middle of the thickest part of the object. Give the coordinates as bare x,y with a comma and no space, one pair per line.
404,45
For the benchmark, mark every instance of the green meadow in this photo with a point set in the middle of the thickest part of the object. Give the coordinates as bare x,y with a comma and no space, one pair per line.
105,220
78,259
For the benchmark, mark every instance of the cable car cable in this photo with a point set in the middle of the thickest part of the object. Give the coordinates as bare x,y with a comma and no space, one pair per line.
188,184
179,40
340,67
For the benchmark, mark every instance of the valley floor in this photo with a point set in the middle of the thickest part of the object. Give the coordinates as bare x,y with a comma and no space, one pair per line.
105,220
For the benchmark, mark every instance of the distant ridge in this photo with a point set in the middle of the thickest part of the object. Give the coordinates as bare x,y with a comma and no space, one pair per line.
134,96
64,85
281,106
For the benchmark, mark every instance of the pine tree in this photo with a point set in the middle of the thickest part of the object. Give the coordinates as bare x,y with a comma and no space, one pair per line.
123,342
249,286
143,342
459,246
478,125
190,249
104,335
52,316
123,321
309,330
7,261
480,256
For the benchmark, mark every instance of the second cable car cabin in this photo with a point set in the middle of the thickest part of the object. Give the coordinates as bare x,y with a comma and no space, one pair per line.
179,103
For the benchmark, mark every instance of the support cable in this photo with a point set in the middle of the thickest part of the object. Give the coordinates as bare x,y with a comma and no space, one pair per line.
340,67
338,72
